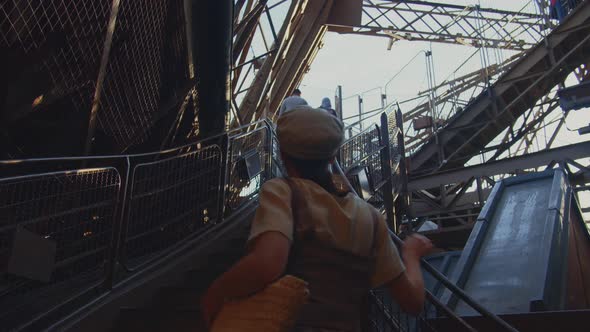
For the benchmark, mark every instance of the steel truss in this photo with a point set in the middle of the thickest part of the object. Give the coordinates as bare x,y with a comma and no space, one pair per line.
282,67
262,78
453,24
258,28
508,132
518,102
451,97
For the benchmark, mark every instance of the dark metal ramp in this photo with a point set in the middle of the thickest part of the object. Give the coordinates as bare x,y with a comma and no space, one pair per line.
515,259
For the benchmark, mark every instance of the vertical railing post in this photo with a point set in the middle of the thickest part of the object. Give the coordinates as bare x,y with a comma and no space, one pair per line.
403,201
188,21
118,225
360,100
270,149
388,196
223,185
212,33
338,103
104,62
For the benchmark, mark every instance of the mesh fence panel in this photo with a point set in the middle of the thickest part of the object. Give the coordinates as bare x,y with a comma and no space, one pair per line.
171,200
148,64
52,51
75,210
355,150
242,187
52,48
278,169
373,163
393,131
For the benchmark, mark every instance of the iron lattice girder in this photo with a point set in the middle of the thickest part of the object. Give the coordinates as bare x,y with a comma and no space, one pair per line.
533,160
457,91
454,24
298,41
533,122
532,77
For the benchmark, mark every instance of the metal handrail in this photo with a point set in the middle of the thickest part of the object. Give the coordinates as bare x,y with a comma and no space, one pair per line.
456,290
123,156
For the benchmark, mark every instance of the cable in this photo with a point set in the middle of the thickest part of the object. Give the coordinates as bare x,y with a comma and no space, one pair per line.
402,69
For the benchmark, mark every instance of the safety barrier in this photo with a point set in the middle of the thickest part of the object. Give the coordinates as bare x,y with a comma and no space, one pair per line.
65,218
102,219
172,199
111,216
249,163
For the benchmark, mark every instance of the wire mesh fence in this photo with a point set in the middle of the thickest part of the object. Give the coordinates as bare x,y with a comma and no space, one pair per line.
387,316
50,51
249,165
53,57
393,133
148,66
362,155
171,200
54,228
356,149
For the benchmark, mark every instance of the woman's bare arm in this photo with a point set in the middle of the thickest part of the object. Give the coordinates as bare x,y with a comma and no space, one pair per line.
264,263
408,289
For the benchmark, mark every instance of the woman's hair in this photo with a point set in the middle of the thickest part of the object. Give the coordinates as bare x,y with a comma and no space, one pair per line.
316,171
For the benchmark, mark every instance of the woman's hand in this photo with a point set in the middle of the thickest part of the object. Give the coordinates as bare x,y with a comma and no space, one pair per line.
264,264
408,289
416,246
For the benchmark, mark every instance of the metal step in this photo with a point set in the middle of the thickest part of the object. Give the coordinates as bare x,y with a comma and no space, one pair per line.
175,307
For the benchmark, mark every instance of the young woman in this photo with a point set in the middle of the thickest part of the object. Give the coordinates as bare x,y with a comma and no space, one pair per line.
335,241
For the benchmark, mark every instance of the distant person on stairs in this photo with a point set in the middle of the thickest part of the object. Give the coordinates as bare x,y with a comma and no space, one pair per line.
327,105
292,102
332,239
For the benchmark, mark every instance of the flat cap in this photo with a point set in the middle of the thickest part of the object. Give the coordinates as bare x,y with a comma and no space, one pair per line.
309,133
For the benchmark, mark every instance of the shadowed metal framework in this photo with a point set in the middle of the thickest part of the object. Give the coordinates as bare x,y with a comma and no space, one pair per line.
89,76
448,23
